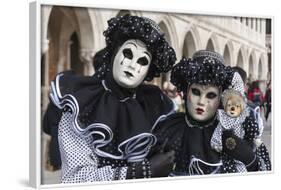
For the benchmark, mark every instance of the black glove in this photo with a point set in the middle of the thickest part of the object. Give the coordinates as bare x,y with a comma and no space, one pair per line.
159,165
160,147
239,149
162,164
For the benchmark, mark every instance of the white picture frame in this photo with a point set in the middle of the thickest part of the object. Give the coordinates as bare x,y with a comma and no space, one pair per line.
36,48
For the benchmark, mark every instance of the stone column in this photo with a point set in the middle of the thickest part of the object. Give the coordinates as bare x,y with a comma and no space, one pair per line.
244,20
258,25
45,52
68,55
86,55
45,83
263,26
45,15
60,64
254,23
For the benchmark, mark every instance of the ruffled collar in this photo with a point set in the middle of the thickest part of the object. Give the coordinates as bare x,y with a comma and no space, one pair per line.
123,94
120,121
194,123
194,154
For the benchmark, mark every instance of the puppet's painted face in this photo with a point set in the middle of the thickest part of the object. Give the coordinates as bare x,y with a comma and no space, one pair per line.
131,64
233,102
233,107
202,101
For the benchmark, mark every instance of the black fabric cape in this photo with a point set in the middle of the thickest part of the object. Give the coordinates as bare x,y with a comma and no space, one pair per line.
50,123
191,144
119,120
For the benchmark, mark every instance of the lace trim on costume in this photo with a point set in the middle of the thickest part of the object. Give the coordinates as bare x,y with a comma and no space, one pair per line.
189,124
109,90
194,167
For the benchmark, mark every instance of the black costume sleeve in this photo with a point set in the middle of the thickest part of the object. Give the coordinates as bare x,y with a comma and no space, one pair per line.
51,118
252,133
159,165
263,158
169,131
255,158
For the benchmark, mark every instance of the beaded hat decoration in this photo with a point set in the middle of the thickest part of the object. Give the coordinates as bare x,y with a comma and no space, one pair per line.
205,68
133,27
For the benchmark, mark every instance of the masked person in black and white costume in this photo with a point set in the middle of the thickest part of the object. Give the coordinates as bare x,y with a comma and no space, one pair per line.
105,129
195,134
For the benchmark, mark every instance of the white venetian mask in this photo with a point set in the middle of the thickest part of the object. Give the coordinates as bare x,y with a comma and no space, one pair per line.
131,64
202,101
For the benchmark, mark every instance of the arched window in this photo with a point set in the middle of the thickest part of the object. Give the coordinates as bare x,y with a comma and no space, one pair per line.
226,56
251,68
260,70
240,60
189,46
210,45
75,62
166,32
164,76
123,12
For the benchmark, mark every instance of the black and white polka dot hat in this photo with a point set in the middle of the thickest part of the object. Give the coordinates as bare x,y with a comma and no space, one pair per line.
205,68
144,29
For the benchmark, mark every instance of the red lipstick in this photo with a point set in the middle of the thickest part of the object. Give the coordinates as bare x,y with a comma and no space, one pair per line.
199,111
